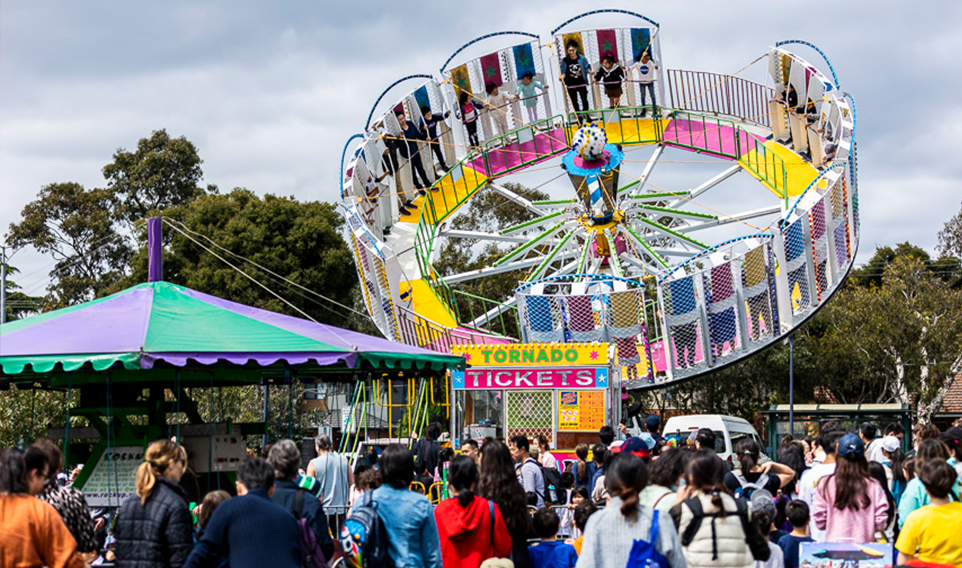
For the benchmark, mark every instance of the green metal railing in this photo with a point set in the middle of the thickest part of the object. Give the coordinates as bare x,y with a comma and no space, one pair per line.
470,307
616,120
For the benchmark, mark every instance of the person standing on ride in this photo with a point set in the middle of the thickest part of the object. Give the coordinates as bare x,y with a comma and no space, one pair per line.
612,534
574,75
497,482
412,532
646,73
715,528
335,477
470,111
68,501
469,534
410,134
498,108
430,125
529,473
527,94
849,504
610,75
31,531
771,476
154,528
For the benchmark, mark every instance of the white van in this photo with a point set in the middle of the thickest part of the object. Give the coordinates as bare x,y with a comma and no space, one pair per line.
728,430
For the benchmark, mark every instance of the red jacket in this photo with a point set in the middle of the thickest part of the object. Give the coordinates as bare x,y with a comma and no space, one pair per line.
466,533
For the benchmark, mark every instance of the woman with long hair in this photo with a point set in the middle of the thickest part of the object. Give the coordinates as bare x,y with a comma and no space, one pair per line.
498,483
31,531
915,497
878,473
849,504
612,534
715,527
154,526
771,475
583,470
471,528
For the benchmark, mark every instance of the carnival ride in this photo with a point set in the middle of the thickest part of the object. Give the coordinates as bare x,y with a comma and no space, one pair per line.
680,277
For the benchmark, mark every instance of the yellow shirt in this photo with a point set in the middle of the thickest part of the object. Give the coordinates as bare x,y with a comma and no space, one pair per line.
934,532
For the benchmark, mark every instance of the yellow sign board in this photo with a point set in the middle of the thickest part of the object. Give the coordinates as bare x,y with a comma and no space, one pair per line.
534,354
581,410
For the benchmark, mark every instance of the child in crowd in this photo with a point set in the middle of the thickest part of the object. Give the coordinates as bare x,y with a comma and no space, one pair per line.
582,512
646,73
470,109
610,76
550,553
763,513
798,515
430,124
578,496
498,108
526,93
932,531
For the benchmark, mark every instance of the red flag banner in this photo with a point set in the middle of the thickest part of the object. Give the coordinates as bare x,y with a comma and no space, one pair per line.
607,44
491,70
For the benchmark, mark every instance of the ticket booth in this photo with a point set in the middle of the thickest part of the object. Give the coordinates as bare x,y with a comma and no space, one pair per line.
565,391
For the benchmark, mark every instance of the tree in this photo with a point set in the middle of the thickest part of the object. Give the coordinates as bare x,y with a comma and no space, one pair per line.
19,304
294,240
946,267
904,338
950,237
161,173
487,212
74,225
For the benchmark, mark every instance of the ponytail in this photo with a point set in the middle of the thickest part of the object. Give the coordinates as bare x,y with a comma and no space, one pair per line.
628,475
465,498
581,473
158,457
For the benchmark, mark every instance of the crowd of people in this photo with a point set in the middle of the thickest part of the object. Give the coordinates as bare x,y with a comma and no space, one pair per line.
633,501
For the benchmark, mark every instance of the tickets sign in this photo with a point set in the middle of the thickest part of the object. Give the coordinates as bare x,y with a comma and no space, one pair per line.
533,379
534,354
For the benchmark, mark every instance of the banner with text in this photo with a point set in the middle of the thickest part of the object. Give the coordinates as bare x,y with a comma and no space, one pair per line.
533,379
534,354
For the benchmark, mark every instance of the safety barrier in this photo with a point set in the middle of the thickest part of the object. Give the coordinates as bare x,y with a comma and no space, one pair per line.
720,95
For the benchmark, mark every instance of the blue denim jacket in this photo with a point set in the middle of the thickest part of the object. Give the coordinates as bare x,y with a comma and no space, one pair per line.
411,529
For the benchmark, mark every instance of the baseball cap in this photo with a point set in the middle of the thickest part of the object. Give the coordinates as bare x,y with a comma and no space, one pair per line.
653,421
638,446
850,447
763,502
890,443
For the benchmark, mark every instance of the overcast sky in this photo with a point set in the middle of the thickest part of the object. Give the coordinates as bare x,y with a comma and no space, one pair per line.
269,92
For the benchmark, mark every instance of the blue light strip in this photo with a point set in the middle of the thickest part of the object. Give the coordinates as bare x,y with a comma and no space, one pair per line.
595,277
391,86
819,51
344,153
484,37
606,11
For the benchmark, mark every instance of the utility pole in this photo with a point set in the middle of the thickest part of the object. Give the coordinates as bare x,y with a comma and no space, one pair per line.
3,284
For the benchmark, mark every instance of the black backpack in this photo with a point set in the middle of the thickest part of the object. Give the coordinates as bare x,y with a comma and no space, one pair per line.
364,540
554,492
756,542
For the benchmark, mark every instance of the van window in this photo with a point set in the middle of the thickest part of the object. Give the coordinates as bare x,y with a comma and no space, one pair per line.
739,436
681,440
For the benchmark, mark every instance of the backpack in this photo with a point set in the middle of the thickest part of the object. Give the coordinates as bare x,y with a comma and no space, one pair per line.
756,542
746,488
311,554
643,553
553,489
364,539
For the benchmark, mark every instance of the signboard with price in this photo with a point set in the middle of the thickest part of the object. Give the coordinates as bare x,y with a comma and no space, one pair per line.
581,410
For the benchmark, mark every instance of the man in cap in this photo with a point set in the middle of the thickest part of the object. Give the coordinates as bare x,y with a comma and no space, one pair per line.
653,425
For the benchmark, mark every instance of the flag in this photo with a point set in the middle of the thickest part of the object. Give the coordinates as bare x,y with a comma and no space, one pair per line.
523,60
460,80
640,41
607,44
421,96
491,70
575,37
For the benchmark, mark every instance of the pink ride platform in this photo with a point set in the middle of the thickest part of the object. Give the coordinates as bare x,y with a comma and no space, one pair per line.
498,161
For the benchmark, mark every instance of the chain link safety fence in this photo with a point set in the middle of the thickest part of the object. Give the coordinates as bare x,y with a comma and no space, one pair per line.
530,413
